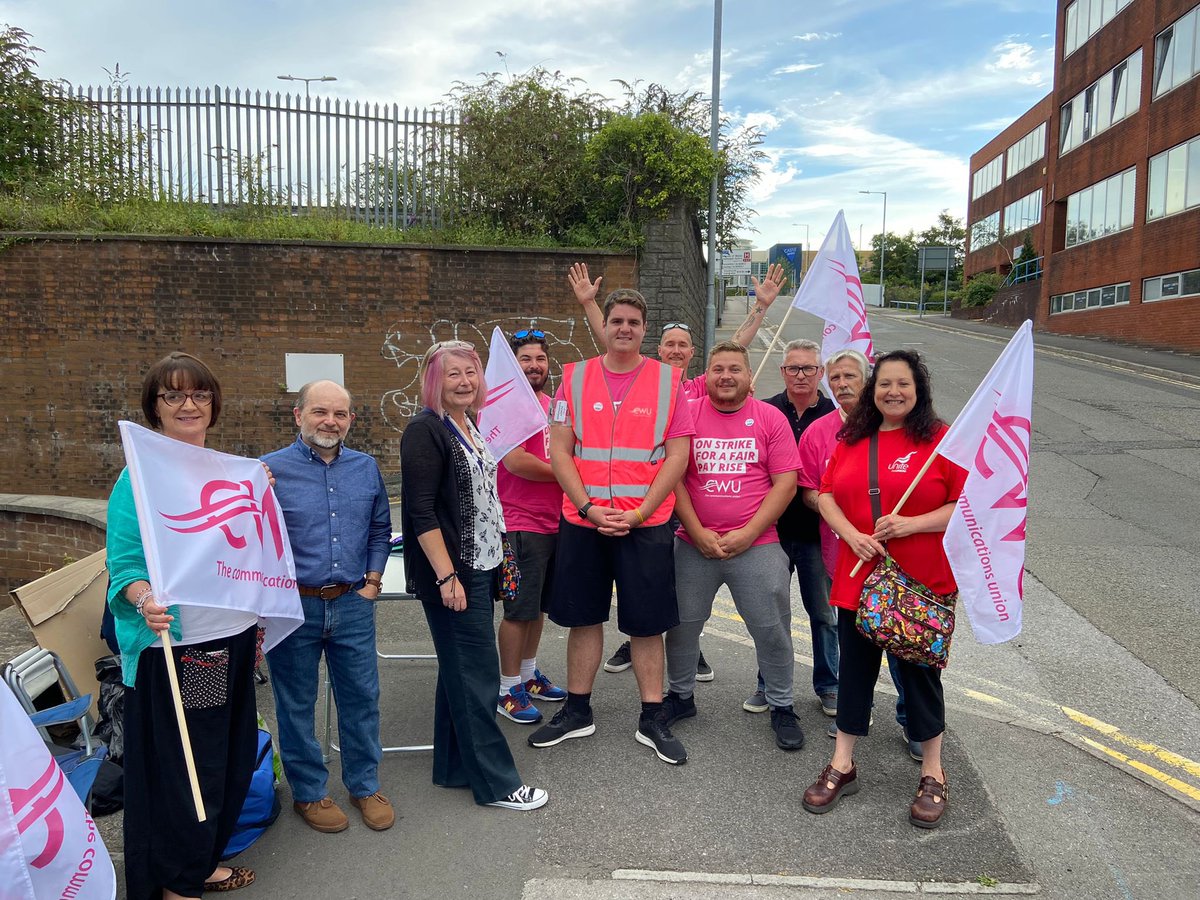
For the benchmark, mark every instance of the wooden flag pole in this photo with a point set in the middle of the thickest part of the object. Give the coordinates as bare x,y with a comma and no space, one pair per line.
774,341
183,729
907,494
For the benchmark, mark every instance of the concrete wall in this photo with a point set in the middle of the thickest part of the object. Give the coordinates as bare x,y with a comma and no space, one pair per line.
42,534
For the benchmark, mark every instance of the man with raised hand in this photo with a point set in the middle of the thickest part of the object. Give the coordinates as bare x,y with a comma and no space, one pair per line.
802,403
740,476
846,371
336,510
532,502
620,432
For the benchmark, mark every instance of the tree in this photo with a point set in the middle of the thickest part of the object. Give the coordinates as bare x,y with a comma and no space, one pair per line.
30,112
980,289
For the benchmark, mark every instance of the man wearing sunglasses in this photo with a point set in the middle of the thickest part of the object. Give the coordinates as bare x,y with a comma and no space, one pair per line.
802,403
532,502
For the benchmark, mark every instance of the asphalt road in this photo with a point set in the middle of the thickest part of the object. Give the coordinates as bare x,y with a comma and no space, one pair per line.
1071,750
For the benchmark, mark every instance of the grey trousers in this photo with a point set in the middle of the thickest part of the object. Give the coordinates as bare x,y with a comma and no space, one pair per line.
759,581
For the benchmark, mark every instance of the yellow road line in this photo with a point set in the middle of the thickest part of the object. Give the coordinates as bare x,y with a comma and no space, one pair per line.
1154,773
1170,758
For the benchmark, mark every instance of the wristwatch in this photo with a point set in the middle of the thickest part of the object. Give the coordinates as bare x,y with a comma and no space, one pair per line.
583,510
374,582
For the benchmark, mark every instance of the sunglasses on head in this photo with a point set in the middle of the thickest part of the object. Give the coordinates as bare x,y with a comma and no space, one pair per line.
535,333
684,325
454,345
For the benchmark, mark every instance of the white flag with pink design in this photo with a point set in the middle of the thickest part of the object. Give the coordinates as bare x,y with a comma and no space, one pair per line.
212,531
49,845
511,413
833,291
985,541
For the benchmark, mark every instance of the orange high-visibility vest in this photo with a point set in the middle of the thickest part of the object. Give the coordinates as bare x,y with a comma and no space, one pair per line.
618,452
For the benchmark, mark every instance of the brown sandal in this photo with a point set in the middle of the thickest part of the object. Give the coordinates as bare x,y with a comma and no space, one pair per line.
239,877
930,804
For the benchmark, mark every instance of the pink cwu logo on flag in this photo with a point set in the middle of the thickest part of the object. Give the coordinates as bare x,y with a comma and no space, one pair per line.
217,512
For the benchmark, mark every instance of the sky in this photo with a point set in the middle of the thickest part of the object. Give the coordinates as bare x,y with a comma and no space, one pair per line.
878,95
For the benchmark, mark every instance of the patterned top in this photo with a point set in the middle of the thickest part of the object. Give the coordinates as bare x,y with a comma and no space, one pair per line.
478,499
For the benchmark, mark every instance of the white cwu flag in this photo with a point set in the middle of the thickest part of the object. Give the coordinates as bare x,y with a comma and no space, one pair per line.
212,531
985,540
833,291
49,845
511,413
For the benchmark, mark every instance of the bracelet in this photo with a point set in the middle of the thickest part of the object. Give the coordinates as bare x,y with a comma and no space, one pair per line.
140,600
442,581
638,511
374,582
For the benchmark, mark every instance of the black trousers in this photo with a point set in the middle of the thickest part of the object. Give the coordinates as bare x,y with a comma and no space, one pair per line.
857,673
164,844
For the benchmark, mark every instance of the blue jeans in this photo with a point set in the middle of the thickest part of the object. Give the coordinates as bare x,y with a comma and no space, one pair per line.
344,630
806,559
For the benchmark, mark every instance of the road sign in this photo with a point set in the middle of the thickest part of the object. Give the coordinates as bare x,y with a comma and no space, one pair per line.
735,263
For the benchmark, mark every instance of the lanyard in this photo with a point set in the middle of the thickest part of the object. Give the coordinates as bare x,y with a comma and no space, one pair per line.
468,445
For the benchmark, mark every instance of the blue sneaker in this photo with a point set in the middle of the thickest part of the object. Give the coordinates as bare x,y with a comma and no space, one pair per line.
540,687
518,706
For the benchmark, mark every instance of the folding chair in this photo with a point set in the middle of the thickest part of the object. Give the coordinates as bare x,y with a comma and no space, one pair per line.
29,676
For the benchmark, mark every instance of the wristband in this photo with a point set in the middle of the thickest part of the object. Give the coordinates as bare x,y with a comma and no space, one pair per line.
638,512
140,600
442,581
374,582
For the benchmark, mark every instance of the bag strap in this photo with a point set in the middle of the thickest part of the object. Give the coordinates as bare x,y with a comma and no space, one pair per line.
873,477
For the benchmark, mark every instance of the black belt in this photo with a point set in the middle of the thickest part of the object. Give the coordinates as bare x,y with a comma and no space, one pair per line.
326,591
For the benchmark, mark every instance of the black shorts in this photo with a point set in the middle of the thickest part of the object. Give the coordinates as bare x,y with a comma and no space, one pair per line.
535,559
642,566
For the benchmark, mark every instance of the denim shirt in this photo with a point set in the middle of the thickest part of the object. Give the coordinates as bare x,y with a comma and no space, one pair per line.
337,514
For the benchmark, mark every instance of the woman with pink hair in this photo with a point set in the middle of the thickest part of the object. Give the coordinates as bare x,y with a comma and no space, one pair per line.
453,526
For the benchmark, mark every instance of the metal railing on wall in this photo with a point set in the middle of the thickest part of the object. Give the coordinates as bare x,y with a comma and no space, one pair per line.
1029,270
377,163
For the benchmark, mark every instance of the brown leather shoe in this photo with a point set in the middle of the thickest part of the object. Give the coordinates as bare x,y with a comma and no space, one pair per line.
823,794
323,815
377,812
239,877
930,805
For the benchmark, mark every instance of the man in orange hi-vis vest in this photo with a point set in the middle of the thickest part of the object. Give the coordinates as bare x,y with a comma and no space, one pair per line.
620,437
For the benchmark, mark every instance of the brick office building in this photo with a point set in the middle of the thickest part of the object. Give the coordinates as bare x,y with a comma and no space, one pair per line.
1105,171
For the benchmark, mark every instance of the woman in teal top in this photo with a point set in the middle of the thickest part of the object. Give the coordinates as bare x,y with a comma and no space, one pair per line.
169,854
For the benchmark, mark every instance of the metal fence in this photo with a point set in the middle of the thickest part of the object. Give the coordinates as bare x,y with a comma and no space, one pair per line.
379,164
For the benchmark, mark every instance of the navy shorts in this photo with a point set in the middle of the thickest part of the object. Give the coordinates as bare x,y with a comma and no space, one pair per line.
534,554
640,564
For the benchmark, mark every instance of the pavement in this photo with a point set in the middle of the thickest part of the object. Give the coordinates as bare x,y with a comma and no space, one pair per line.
1045,797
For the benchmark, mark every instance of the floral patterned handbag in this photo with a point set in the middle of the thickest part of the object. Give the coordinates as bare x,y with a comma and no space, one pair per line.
895,611
508,576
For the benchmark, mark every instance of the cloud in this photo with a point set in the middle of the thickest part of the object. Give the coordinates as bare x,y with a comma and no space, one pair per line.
796,67
809,36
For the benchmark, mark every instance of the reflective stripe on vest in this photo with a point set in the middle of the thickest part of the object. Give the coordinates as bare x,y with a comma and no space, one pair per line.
616,453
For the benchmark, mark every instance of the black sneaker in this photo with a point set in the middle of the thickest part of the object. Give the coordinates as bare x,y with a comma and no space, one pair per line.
656,734
788,734
704,671
675,708
567,723
619,661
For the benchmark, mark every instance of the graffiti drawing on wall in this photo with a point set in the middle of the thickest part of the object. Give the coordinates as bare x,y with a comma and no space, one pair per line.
568,340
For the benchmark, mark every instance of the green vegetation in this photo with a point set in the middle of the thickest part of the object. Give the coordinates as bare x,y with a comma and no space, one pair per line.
901,264
980,289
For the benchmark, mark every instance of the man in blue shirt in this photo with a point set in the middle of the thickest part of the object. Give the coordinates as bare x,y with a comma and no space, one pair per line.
340,526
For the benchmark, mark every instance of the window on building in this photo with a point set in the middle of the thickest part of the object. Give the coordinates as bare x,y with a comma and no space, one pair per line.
1022,213
1084,18
1101,209
1177,53
1025,152
1174,183
1168,287
985,232
1092,298
988,178
1113,97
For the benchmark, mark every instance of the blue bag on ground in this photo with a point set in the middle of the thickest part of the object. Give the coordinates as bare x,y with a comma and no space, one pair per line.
262,803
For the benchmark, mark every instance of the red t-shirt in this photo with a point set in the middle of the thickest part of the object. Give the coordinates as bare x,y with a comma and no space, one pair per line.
531,505
920,555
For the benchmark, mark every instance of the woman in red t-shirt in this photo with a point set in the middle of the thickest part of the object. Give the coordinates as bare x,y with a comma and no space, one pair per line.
897,409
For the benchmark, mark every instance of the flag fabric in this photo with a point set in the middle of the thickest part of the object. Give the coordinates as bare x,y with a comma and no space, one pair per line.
511,414
833,291
49,845
212,531
985,540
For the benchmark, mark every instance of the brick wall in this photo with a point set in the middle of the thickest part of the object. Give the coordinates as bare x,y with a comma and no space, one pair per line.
672,272
32,544
83,318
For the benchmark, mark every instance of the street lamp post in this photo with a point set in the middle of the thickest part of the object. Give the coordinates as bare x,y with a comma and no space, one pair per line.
710,312
882,245
307,81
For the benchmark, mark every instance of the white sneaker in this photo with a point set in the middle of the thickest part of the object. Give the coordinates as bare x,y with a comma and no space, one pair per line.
523,798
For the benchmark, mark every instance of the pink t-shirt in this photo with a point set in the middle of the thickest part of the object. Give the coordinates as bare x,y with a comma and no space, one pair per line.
618,386
531,505
733,458
694,388
816,447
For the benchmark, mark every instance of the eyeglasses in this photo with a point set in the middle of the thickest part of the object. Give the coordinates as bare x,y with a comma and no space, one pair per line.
176,398
454,345
684,325
794,371
534,333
